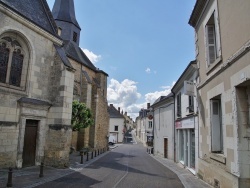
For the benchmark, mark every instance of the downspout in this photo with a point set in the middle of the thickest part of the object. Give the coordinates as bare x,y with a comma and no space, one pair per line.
81,85
174,129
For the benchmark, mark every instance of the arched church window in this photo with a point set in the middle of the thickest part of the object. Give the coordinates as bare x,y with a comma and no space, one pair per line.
4,58
16,68
13,61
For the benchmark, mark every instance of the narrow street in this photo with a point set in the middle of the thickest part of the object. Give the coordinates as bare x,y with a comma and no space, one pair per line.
128,165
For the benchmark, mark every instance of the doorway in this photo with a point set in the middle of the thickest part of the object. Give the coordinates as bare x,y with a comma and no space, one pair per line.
29,147
165,148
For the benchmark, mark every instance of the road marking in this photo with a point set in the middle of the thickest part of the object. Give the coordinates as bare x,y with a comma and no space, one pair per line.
123,175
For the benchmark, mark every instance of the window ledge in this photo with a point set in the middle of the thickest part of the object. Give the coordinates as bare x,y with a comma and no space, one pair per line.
214,64
219,157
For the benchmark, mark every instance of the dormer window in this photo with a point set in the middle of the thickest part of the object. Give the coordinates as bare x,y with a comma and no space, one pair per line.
74,36
59,31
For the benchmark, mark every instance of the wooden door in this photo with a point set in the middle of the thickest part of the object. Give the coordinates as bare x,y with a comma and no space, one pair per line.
165,148
29,148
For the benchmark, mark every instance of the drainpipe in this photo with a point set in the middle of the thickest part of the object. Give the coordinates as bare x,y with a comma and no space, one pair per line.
81,85
174,128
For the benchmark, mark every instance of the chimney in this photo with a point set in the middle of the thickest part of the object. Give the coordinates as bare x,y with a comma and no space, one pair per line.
119,109
125,114
148,106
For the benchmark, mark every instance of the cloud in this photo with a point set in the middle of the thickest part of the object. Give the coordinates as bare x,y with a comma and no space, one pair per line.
125,95
151,97
92,57
148,70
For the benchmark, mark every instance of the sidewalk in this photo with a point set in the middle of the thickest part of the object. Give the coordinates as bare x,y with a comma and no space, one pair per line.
29,177
187,178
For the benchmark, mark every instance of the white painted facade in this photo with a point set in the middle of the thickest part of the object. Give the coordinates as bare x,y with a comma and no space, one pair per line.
186,120
164,127
116,126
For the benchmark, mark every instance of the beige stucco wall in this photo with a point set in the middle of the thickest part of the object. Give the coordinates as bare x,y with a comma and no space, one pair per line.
233,70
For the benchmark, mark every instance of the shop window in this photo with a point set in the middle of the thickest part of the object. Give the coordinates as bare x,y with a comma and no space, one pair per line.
216,125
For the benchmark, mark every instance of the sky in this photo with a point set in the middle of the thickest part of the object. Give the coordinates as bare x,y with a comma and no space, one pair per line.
143,45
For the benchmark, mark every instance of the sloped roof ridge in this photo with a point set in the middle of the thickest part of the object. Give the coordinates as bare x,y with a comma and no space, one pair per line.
36,12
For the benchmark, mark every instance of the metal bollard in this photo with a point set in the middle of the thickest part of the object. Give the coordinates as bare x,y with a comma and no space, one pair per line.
92,155
98,152
87,156
81,153
95,153
9,183
41,170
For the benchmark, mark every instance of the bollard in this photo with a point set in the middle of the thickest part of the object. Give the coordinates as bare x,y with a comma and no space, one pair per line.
98,152
95,153
81,153
87,156
92,155
9,183
41,170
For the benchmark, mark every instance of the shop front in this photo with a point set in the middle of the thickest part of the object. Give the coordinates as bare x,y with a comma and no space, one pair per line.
185,129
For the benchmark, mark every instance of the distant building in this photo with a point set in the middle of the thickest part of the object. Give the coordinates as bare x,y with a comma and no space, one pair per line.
145,126
116,125
164,130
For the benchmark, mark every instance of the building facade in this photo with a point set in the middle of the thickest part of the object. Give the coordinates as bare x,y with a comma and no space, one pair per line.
90,83
145,124
36,87
116,125
222,42
186,119
163,131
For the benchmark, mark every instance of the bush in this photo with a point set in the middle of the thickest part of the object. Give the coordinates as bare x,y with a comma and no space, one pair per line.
81,116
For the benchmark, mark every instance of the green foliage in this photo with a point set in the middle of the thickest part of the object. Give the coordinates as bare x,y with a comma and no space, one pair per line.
81,116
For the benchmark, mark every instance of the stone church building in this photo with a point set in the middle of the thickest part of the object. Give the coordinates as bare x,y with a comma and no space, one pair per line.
42,69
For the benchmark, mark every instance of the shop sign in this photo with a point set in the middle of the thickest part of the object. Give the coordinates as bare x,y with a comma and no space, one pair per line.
189,88
185,124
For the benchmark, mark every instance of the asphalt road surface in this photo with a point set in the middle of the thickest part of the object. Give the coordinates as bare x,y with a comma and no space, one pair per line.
127,166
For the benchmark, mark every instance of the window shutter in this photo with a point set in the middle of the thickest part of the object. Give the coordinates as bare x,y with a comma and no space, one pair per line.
216,126
211,43
217,34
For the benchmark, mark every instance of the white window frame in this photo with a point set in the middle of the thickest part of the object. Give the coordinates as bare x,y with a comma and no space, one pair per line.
213,11
216,126
178,105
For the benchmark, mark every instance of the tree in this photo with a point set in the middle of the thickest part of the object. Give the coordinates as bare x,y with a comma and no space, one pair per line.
81,116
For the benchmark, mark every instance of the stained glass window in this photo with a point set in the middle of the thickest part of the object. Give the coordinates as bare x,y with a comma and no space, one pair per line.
4,58
16,68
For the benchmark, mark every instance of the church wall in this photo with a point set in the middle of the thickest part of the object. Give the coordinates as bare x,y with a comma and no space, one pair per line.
42,83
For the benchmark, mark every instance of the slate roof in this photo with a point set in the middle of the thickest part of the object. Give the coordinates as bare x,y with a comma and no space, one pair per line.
161,98
36,11
64,11
75,52
63,56
114,113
